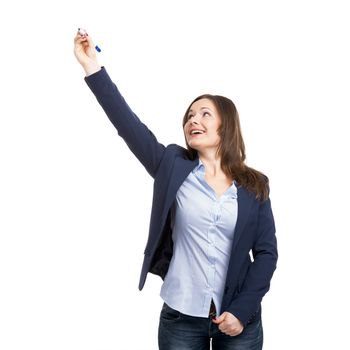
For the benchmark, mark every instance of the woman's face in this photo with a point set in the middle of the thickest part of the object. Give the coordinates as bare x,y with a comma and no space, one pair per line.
201,126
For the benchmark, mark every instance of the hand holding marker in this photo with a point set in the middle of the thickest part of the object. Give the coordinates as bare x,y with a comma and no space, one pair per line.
83,33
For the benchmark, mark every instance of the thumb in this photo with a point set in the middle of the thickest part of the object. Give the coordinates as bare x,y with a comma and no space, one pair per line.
219,319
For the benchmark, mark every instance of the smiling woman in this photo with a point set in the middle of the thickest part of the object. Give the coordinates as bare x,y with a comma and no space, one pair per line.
211,126
201,124
209,211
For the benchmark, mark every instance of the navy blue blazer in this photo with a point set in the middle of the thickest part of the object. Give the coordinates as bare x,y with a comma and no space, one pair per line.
247,281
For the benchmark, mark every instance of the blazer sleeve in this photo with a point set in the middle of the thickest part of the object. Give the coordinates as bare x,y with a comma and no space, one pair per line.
137,136
246,303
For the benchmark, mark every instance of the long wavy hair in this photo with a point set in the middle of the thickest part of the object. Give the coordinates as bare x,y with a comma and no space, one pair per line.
231,149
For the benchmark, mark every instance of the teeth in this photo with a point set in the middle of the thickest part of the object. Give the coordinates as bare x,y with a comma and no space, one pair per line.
196,132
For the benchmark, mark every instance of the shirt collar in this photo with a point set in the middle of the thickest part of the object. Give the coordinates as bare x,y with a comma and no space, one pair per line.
232,192
199,167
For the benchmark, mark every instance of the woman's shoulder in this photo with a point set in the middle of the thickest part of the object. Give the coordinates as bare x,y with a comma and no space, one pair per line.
178,151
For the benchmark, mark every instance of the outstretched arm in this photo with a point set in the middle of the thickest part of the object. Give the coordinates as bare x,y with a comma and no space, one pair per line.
137,136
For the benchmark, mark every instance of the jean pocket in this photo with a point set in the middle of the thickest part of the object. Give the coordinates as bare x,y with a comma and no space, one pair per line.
169,314
253,329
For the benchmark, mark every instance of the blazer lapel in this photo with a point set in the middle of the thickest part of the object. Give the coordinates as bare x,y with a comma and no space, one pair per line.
245,201
182,167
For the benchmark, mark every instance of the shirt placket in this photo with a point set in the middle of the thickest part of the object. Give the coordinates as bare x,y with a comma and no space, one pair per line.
212,233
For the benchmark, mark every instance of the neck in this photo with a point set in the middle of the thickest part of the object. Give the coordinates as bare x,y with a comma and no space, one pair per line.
212,164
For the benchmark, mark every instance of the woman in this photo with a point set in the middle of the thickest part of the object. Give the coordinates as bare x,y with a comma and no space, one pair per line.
209,212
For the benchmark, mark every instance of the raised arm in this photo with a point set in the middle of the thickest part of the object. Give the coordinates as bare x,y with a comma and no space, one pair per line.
137,136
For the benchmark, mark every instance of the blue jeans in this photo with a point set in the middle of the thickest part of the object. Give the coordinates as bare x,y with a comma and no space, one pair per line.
181,332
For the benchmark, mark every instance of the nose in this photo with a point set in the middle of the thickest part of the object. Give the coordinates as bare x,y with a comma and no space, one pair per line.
194,119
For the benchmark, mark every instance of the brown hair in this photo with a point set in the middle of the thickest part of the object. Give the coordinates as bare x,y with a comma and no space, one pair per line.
231,148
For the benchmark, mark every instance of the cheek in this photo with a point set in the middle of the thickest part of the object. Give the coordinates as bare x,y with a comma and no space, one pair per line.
184,130
214,129
215,135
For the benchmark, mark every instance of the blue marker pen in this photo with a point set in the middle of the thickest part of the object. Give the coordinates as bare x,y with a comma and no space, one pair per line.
83,32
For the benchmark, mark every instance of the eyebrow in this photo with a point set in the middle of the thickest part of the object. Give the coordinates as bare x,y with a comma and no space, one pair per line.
191,110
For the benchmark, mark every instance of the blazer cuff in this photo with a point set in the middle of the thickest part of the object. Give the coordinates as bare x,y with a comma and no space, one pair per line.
94,78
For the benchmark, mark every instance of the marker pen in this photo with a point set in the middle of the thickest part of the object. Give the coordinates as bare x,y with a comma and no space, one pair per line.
84,33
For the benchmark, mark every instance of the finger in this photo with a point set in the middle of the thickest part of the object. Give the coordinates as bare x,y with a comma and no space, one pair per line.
78,39
223,327
90,42
84,41
219,319
229,332
228,328
233,332
82,32
239,332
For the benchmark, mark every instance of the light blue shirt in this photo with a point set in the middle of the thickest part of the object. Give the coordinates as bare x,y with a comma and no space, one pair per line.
203,228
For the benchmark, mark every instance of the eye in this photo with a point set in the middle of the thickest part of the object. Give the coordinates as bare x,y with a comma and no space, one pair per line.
206,114
189,116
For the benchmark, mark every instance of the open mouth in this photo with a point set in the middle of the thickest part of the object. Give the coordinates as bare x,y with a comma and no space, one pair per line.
196,132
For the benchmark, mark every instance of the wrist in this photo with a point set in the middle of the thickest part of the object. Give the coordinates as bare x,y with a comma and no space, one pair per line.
91,67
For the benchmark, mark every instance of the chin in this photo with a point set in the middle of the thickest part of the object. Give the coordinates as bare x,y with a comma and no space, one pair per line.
193,145
196,148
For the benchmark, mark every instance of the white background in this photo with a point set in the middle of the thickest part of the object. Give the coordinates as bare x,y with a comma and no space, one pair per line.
75,203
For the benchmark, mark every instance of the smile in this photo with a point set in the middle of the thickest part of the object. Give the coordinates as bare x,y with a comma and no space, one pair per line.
196,132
